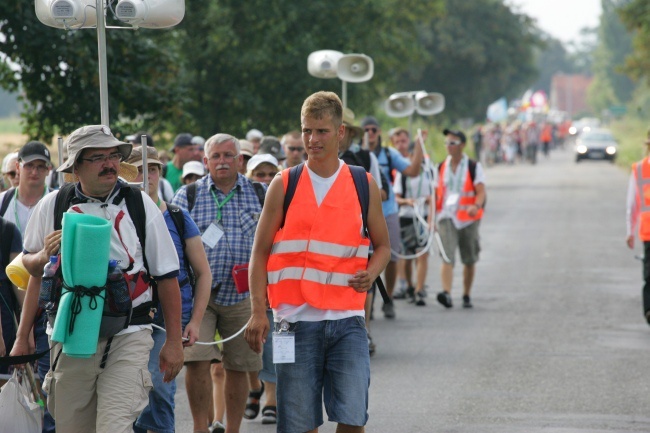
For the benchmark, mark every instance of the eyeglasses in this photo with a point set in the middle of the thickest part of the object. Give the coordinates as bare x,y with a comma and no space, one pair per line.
263,174
295,149
373,130
11,174
453,142
228,157
33,167
100,159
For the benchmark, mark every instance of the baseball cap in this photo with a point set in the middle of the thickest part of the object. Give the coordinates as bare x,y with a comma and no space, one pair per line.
254,134
200,141
193,167
261,158
368,121
137,138
135,158
246,148
91,136
457,133
183,139
272,146
34,150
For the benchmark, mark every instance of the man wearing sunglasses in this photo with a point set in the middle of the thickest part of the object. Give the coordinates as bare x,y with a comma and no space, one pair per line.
390,160
9,175
459,192
293,149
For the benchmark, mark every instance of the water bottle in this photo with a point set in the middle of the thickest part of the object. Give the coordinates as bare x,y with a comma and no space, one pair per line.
49,285
117,291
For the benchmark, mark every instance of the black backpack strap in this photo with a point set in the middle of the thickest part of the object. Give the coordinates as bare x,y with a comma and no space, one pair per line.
135,205
7,236
363,192
471,165
260,191
6,200
62,203
294,175
179,222
191,196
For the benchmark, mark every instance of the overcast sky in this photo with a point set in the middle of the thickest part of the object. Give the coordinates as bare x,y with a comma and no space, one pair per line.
563,19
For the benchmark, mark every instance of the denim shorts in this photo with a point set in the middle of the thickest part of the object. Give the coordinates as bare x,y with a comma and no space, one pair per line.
332,364
267,373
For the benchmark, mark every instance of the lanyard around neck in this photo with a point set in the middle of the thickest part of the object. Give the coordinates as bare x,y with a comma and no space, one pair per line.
455,179
16,206
223,203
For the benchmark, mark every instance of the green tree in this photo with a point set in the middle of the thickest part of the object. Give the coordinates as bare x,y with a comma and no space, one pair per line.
635,14
478,52
57,72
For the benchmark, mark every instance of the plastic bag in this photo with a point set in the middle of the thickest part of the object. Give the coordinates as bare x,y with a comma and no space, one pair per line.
18,410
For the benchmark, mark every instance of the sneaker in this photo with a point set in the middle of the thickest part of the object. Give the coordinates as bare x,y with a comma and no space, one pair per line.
419,299
445,299
400,294
389,310
217,427
467,303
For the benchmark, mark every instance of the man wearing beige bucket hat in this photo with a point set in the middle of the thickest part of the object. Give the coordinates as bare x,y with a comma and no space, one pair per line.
108,390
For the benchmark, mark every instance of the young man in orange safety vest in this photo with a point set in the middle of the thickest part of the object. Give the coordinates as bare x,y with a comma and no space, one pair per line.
459,199
313,265
638,214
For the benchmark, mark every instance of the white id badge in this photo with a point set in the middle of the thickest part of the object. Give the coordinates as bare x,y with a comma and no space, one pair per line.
284,348
211,235
452,199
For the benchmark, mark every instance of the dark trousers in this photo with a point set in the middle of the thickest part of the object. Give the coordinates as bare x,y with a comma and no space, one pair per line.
646,279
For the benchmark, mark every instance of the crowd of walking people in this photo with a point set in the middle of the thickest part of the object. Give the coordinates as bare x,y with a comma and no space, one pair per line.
260,244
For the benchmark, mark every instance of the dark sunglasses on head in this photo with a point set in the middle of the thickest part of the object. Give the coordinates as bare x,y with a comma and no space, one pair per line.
453,142
373,130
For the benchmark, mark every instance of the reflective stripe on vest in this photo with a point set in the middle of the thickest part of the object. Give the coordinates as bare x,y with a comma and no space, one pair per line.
642,173
319,248
467,195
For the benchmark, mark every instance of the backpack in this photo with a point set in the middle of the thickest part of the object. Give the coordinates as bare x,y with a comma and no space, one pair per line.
191,194
6,199
7,236
179,222
361,158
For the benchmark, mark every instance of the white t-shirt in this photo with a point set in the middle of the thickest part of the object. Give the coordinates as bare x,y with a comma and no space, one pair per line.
305,312
17,212
454,182
419,186
161,253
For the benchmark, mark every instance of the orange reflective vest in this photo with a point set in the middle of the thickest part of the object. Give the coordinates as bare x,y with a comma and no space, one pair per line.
319,248
467,195
641,172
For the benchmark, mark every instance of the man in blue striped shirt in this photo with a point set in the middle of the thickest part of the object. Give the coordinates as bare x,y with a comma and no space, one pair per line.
226,210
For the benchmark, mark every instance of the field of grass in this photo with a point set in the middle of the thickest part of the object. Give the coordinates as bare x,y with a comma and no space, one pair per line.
630,132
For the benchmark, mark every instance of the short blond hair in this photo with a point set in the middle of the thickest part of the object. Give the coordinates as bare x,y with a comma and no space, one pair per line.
322,104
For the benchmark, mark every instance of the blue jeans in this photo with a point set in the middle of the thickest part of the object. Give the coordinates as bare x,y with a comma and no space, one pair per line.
158,416
332,364
42,344
267,373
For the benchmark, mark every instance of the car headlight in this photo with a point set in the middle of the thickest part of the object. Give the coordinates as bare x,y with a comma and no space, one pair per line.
586,129
573,130
581,148
610,150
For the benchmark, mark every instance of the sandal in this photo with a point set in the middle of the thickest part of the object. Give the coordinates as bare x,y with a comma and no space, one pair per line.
269,415
253,403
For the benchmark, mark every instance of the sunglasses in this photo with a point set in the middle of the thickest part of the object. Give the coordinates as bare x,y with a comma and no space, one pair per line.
453,142
11,174
373,130
295,149
262,174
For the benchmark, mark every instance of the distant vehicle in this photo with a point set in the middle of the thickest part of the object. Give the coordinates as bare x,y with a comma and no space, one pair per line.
596,143
585,124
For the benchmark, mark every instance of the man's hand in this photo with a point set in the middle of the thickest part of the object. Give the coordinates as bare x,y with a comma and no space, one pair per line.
256,331
3,349
52,244
22,346
191,332
630,242
361,282
171,359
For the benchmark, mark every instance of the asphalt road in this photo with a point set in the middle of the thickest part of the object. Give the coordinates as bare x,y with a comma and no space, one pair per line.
556,341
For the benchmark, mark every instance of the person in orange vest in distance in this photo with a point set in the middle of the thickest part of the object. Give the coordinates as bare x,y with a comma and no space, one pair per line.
313,264
638,213
459,198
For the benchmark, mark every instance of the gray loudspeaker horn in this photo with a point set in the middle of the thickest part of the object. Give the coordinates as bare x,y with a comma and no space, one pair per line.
323,63
355,68
428,104
400,105
66,14
151,14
